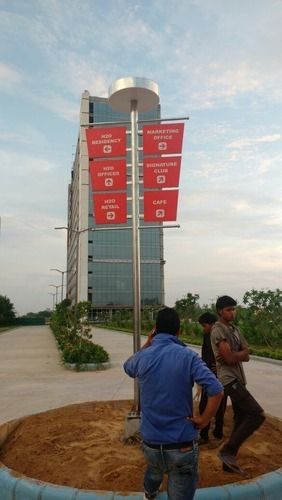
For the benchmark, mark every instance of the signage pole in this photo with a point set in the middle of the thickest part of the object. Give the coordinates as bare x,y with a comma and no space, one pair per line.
133,95
135,240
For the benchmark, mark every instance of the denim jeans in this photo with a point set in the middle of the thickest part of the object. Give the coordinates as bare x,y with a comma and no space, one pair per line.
248,416
181,466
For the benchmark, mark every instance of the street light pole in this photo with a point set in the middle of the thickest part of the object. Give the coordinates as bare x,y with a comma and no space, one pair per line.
77,232
56,286
53,295
62,285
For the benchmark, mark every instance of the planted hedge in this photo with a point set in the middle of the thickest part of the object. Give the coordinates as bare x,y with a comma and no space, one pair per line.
72,332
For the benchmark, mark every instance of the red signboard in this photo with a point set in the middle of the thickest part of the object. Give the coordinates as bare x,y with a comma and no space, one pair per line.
110,208
108,175
161,172
160,206
106,142
164,139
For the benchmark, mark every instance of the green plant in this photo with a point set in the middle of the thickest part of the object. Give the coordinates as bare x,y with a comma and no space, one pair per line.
72,330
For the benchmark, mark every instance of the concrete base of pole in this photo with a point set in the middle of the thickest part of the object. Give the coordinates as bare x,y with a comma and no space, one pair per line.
132,424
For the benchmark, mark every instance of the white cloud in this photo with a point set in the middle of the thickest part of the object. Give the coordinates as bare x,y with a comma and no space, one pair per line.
246,142
15,164
9,76
218,63
58,104
241,205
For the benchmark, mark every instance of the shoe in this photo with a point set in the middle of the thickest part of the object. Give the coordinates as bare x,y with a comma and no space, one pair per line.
147,496
225,468
240,471
201,441
230,463
215,443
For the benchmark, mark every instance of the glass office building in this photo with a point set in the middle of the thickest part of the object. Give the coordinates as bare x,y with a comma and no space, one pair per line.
100,262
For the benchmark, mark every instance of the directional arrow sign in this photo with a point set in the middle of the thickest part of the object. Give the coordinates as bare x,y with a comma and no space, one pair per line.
106,142
161,172
160,205
108,175
109,208
165,139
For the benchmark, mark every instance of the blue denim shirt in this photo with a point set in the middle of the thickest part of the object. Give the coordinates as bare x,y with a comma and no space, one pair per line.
166,372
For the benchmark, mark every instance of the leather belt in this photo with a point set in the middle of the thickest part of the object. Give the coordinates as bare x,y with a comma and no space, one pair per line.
170,446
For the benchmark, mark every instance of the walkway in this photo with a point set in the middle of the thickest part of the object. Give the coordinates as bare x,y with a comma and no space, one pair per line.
32,378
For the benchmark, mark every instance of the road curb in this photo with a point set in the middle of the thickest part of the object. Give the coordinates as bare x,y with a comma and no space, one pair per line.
265,487
90,367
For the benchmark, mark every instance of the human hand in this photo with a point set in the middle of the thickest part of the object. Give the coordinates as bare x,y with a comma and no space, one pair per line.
150,338
198,421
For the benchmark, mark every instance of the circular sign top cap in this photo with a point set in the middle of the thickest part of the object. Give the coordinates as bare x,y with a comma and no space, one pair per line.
125,90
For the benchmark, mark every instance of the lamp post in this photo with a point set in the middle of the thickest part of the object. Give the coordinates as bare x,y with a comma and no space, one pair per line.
56,286
53,295
62,273
77,232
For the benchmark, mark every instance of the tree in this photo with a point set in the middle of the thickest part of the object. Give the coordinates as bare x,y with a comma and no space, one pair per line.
265,315
7,312
188,306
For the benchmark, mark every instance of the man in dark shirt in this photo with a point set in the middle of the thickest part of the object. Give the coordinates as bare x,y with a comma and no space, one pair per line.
207,320
231,351
166,371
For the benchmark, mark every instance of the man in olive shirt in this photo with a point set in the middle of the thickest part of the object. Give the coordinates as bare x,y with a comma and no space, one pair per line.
231,350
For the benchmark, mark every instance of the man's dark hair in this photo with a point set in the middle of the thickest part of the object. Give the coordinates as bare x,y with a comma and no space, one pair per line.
167,321
225,301
208,318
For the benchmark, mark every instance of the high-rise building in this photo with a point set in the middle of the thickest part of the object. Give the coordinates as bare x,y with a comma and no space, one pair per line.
99,262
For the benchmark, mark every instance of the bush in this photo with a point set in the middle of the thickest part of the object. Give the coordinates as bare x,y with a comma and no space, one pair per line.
85,352
72,332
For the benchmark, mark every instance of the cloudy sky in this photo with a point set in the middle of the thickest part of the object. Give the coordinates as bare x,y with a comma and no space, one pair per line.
218,62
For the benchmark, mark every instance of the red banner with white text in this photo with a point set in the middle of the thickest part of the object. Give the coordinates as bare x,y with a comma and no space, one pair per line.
108,175
110,208
164,139
160,206
161,172
106,142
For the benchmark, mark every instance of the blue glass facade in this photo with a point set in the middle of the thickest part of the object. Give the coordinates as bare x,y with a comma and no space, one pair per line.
110,252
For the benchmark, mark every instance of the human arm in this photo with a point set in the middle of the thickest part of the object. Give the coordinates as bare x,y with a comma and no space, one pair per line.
209,412
232,357
131,365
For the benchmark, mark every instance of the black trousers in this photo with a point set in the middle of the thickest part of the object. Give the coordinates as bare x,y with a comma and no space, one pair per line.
219,417
248,416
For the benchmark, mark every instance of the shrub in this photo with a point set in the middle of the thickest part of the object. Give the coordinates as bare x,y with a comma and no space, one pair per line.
72,332
84,352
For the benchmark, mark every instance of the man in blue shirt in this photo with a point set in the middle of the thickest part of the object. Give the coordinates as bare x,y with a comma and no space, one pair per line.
166,371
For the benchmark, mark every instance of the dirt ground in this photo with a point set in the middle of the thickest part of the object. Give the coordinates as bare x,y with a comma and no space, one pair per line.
82,446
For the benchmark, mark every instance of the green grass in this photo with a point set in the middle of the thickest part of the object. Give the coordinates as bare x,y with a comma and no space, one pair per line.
256,350
263,351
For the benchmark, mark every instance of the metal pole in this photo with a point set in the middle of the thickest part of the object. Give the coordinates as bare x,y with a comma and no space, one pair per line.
62,291
125,122
135,239
53,297
77,258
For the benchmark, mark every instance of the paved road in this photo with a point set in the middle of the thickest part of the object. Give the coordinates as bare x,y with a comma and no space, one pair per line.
32,378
